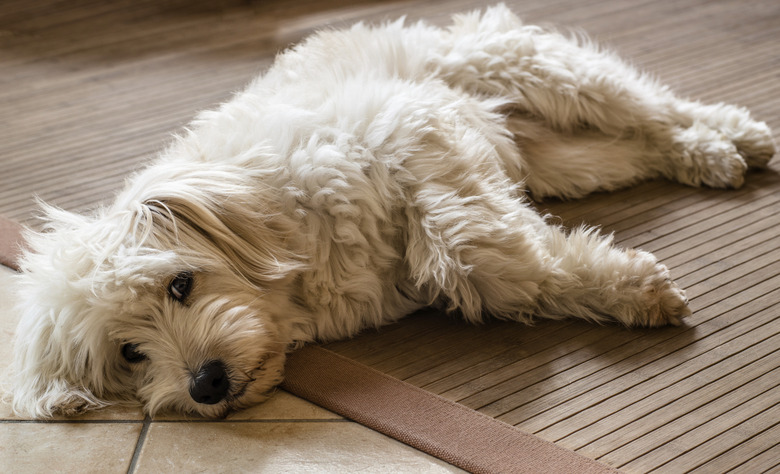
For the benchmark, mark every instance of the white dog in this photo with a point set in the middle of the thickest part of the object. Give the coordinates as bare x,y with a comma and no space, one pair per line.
368,173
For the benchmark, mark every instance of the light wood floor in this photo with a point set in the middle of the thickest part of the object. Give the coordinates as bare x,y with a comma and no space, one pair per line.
88,90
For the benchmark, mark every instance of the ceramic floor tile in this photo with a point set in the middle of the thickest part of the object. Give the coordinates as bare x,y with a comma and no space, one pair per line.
281,406
284,406
67,447
324,446
106,414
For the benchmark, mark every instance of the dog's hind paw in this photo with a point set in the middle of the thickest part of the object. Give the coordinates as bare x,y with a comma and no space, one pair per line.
752,139
704,156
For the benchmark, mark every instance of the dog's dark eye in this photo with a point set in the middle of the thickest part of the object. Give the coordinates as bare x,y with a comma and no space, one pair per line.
131,354
180,287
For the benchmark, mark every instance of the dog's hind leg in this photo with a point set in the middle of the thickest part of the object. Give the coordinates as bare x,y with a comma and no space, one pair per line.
573,86
572,165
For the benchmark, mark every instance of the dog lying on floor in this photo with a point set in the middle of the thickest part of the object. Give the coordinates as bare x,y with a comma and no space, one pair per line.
370,172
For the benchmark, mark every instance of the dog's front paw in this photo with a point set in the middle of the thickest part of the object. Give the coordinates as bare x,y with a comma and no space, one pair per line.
54,398
756,144
74,407
653,299
665,302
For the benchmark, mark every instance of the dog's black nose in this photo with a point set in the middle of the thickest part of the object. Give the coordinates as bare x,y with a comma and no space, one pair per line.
210,384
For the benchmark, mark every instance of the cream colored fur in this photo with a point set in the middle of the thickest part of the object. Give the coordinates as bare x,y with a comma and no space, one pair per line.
370,172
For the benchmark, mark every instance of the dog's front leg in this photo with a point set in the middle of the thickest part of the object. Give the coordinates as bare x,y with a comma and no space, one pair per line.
593,279
498,257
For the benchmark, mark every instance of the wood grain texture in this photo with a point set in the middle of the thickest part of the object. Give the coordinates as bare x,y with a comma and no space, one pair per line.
92,89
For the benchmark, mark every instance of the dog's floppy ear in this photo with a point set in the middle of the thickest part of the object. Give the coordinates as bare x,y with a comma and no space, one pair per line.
48,366
58,361
227,218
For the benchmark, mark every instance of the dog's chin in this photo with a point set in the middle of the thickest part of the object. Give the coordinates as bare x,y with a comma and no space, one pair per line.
255,388
228,407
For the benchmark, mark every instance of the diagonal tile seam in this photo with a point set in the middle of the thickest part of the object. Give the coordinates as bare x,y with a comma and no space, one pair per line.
147,422
139,444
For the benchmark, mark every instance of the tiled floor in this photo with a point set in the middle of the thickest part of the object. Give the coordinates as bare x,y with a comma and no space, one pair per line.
285,434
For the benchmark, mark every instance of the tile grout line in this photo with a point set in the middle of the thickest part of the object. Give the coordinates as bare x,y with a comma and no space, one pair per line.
71,422
139,444
205,420
147,421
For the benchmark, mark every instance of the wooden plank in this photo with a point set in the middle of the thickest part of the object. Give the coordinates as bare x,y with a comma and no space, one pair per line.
687,443
560,359
688,358
674,402
742,423
481,376
751,258
383,342
492,339
508,340
659,238
727,254
425,351
710,292
603,208
661,387
699,207
766,461
717,238
659,435
765,441
650,354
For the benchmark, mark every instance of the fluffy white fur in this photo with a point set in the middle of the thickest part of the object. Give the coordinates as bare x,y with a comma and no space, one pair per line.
368,173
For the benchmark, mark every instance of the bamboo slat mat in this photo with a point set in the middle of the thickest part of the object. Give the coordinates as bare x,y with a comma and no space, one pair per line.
91,89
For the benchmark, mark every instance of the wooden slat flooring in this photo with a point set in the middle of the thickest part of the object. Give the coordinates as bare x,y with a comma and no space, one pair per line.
90,89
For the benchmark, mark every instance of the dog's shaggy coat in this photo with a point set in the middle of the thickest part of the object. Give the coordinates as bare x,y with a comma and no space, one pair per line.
368,173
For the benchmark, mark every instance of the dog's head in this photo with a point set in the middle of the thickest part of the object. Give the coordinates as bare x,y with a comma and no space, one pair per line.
173,296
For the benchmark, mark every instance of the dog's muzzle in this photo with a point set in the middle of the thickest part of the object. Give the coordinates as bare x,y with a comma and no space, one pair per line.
210,384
